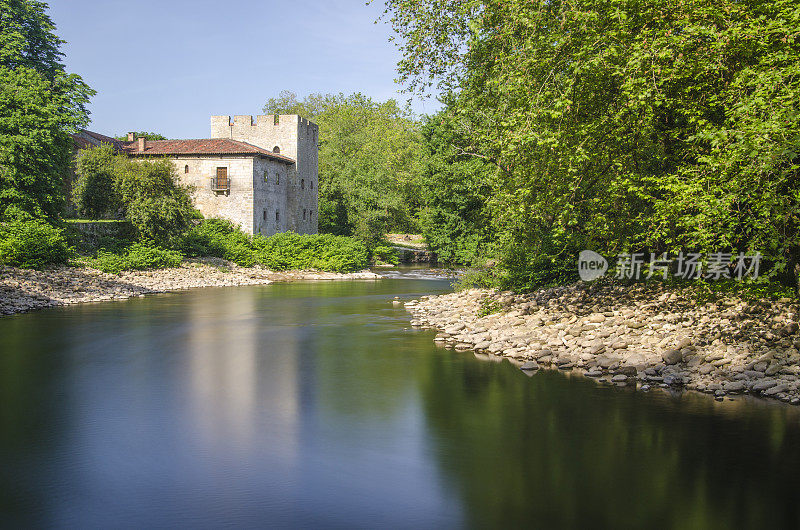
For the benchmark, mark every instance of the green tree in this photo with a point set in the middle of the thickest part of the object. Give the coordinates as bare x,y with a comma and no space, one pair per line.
40,103
620,125
368,162
158,207
454,189
143,134
95,192
147,192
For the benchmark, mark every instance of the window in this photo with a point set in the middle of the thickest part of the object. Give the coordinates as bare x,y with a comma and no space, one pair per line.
220,182
276,149
277,178
265,215
302,184
277,216
311,184
304,214
266,180
186,168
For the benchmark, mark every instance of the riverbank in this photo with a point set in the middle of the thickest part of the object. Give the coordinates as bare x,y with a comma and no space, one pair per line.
27,289
642,335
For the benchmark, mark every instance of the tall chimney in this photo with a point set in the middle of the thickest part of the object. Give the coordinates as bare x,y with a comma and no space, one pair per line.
142,144
131,136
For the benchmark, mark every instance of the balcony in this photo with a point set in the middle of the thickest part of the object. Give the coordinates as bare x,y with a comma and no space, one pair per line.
221,185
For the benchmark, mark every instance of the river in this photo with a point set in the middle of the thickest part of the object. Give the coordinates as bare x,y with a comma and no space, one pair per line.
316,405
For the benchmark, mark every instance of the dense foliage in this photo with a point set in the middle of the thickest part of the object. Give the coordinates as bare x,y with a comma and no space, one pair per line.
32,243
619,125
137,256
94,192
284,251
455,188
40,103
368,152
147,193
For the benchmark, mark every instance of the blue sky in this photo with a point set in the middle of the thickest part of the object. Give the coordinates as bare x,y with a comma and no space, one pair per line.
168,65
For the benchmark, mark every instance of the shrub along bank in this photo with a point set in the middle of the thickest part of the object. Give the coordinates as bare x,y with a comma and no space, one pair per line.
284,251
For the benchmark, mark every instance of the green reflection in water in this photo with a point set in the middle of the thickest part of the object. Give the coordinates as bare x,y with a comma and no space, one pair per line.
313,404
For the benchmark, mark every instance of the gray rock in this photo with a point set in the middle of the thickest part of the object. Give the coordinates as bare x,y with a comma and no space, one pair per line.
597,318
619,378
764,384
530,365
706,369
671,357
673,380
629,371
776,389
733,386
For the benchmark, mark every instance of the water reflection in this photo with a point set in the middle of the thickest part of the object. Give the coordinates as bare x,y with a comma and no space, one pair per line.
315,405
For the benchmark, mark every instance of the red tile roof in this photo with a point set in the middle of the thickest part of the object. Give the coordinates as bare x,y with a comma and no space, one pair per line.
211,146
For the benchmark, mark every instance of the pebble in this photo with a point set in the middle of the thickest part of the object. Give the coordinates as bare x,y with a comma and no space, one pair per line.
644,332
26,289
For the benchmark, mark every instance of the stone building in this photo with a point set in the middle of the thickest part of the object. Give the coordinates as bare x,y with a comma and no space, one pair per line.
260,173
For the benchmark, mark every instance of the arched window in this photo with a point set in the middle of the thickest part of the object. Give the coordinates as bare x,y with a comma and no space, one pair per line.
302,184
277,216
266,180
311,184
276,149
304,214
277,178
186,168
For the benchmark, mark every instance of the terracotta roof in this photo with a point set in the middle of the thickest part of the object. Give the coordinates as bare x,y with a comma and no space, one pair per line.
210,146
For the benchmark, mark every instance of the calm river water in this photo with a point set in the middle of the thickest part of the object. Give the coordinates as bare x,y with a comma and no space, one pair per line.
314,405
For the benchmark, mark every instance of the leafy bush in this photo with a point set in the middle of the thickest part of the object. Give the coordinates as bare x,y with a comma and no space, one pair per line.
147,192
325,252
489,306
385,254
155,204
284,251
32,244
220,238
138,256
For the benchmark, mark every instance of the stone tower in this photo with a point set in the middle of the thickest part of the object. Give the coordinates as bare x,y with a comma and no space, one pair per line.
292,136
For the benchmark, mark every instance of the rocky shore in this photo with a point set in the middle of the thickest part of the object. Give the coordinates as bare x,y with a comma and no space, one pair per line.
24,289
642,335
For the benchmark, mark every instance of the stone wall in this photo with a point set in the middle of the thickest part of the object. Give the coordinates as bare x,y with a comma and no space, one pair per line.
237,204
270,181
91,232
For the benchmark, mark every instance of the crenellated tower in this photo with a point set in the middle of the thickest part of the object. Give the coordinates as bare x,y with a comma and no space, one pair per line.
291,136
